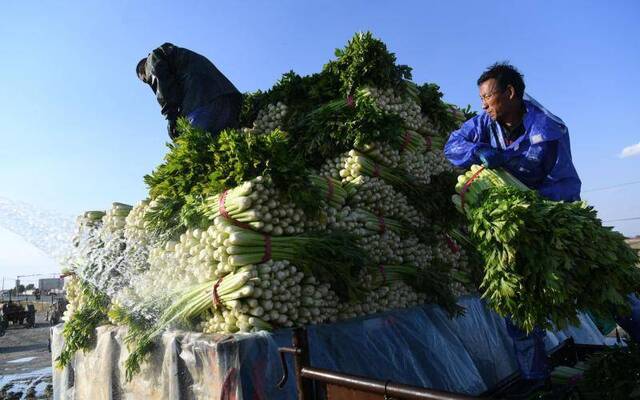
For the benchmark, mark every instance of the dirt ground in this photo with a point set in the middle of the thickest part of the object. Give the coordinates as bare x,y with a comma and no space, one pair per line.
25,362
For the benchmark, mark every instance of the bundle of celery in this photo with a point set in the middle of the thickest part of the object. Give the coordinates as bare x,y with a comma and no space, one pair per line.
258,205
543,259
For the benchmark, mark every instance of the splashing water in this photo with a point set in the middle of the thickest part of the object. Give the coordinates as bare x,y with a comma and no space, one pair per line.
115,260
46,230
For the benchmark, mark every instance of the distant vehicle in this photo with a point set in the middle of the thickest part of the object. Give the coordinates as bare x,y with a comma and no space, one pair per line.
17,314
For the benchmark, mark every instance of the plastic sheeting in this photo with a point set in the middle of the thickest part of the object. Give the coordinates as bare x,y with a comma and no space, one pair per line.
419,346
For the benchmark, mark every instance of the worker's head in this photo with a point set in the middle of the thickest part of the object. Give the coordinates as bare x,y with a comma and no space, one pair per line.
141,70
501,90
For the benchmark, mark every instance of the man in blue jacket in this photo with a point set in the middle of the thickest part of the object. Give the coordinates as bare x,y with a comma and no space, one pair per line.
517,133
188,84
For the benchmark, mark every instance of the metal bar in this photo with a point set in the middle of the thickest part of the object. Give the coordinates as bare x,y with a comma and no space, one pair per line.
380,387
283,363
300,361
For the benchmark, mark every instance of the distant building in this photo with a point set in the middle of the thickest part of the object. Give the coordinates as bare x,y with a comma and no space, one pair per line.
49,284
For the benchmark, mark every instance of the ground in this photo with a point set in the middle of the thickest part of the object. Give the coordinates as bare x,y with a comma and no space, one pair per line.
25,362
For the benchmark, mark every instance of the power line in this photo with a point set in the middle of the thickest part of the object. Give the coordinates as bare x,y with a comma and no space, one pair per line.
622,219
611,187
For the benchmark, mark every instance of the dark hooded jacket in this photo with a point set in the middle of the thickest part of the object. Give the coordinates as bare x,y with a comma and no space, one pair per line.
184,80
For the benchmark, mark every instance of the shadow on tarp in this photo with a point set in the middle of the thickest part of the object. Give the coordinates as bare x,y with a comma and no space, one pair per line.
419,346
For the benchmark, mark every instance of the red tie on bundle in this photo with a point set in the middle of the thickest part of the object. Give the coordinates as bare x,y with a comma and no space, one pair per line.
383,226
330,188
223,211
468,184
405,141
214,293
452,245
350,102
376,170
384,277
267,248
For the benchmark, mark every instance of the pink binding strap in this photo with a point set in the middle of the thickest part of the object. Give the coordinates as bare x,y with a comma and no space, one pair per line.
214,293
452,245
221,208
267,248
350,102
384,277
468,184
383,226
330,188
376,170
405,141
223,211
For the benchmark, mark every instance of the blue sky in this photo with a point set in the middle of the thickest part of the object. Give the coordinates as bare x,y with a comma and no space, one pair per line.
79,130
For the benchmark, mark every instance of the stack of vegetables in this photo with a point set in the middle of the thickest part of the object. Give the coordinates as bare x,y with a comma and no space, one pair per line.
544,260
331,201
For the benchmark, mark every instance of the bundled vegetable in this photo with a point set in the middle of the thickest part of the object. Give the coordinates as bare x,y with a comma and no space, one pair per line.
378,197
333,257
257,205
87,311
358,164
405,106
135,227
269,118
115,218
331,190
543,259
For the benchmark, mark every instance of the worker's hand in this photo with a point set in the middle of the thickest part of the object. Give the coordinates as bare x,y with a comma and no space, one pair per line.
171,128
490,157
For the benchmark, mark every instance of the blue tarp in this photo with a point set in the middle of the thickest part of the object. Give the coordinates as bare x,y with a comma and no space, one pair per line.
418,346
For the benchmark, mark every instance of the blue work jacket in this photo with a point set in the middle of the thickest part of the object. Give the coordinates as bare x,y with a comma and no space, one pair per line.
540,158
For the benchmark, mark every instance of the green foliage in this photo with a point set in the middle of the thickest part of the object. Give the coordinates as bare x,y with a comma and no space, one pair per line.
446,117
300,94
187,165
79,331
365,61
613,374
198,166
187,174
334,258
434,201
544,260
242,156
137,341
337,127
435,281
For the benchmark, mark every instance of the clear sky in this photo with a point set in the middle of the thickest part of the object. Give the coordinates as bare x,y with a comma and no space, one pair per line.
79,130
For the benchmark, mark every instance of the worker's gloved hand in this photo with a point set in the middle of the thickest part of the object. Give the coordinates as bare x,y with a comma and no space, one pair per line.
490,157
172,130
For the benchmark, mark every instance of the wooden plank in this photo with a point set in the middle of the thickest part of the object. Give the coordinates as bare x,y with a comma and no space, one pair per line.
335,392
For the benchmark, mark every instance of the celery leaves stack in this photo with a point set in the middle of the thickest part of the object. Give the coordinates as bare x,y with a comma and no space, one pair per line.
544,260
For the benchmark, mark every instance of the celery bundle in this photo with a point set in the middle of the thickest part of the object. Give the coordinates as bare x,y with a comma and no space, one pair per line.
330,189
543,259
259,206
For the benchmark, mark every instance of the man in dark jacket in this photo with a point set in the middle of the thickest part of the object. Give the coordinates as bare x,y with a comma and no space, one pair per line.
187,84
